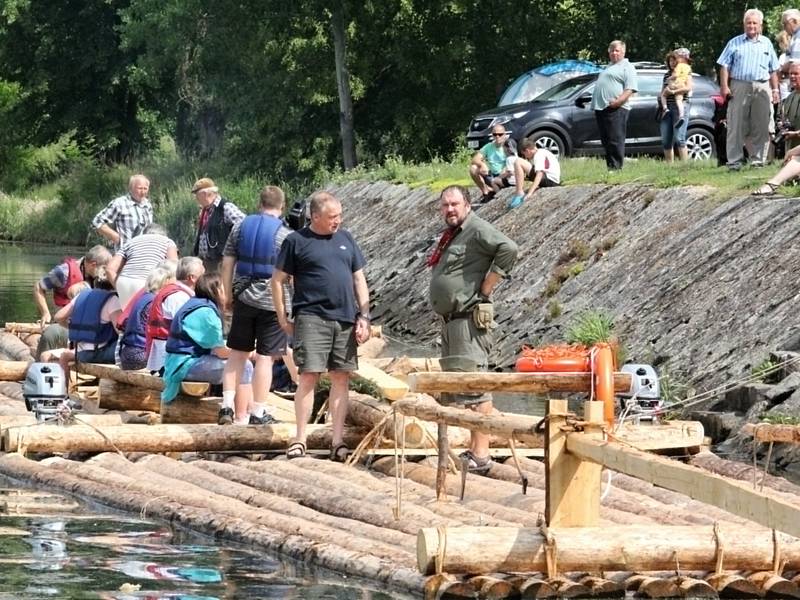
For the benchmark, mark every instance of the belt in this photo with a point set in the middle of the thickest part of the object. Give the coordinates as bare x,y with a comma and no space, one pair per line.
456,315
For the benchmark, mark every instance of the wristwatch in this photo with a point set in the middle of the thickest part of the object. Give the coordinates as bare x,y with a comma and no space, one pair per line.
364,316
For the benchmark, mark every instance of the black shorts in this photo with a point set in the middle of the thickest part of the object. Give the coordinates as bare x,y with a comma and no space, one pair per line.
504,182
545,182
256,328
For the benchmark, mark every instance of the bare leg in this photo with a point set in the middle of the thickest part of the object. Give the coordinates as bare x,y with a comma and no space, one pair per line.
788,172
479,442
521,169
231,375
262,379
477,176
669,154
679,104
337,402
288,360
304,401
683,153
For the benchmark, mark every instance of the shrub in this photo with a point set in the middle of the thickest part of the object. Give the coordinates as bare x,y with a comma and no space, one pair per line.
591,327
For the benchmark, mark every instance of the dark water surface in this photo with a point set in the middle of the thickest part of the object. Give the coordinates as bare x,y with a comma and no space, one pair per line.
88,553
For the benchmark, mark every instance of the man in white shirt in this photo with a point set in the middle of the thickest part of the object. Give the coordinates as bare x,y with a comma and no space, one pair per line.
539,165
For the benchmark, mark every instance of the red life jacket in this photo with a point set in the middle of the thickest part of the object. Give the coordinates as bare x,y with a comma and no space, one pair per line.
157,325
74,275
122,319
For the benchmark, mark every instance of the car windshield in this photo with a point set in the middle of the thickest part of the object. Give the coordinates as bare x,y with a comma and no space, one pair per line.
531,85
564,89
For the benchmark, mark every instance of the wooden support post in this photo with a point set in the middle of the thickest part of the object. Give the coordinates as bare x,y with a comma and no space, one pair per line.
441,466
572,485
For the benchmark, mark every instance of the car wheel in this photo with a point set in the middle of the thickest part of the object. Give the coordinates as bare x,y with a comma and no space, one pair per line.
700,144
549,141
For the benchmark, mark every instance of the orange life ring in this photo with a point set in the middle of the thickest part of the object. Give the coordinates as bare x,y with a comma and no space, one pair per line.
604,380
554,359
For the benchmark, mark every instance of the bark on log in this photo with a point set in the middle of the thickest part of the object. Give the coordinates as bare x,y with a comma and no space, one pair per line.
768,432
141,378
13,370
603,588
192,473
645,548
521,427
532,383
315,481
656,587
11,389
456,590
168,438
742,472
695,588
332,556
536,588
14,348
731,585
493,588
115,395
16,328
110,420
774,586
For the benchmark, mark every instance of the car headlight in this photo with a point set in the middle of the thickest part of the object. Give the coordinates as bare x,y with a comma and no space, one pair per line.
506,118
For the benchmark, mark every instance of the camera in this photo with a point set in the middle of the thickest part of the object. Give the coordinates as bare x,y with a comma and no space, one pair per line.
782,127
298,215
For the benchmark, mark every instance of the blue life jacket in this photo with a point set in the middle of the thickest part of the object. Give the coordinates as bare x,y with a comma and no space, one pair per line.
256,253
84,323
136,326
179,342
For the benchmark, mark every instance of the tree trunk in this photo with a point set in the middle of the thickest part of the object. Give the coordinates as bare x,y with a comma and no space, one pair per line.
521,427
15,328
346,128
14,348
13,370
532,383
167,438
643,548
183,409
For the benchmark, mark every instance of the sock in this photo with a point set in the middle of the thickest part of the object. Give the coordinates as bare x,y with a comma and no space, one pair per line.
227,399
258,410
243,421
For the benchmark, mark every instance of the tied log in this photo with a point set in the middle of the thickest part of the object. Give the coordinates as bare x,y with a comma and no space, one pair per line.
168,438
624,547
13,347
207,521
27,420
531,383
13,370
768,432
520,427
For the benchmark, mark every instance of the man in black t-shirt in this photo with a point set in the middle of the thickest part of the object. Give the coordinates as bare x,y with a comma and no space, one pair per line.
330,306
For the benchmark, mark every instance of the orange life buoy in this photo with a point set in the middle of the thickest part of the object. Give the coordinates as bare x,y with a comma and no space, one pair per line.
604,379
554,359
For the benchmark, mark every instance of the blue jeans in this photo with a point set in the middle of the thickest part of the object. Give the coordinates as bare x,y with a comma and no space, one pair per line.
674,136
209,368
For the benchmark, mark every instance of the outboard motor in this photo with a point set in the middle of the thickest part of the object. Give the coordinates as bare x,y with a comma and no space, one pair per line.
644,397
44,390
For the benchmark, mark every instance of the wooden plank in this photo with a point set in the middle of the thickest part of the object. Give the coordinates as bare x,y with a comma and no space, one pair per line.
536,383
663,436
572,484
736,497
392,388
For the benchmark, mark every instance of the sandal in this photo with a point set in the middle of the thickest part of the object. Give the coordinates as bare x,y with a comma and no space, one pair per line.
296,450
473,464
768,189
340,452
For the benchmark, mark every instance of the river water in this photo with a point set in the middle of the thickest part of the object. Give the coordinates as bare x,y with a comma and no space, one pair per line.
52,549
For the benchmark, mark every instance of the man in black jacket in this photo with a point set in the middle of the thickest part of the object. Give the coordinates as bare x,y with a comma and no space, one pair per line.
217,218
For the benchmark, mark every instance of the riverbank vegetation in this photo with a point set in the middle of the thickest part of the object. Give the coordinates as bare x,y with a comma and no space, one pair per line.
297,94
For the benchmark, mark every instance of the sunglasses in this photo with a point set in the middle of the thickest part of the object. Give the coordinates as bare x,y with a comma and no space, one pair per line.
495,134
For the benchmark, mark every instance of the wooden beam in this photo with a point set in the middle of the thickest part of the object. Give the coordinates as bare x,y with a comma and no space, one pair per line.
736,497
768,432
572,484
662,436
392,388
536,383
521,427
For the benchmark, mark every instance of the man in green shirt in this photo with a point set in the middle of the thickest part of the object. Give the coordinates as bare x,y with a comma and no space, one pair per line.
471,258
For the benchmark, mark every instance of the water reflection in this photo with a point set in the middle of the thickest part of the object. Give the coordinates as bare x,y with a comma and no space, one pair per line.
95,555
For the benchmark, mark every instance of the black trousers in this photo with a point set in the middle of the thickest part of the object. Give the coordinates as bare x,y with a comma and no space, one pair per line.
612,123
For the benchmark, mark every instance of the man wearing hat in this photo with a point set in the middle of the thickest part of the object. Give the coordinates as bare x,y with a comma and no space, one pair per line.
217,218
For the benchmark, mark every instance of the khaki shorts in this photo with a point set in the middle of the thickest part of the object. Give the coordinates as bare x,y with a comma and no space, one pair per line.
465,348
323,345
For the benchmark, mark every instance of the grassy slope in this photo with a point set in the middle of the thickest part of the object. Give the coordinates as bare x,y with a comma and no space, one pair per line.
60,213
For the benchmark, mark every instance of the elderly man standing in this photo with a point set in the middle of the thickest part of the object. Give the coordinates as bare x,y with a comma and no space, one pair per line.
331,313
127,216
251,252
217,218
748,76
790,19
471,258
614,87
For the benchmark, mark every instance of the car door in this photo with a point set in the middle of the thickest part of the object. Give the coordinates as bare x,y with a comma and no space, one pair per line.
583,126
643,132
